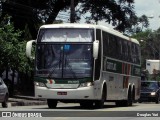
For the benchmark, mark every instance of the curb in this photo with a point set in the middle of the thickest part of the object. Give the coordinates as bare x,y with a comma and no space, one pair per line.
25,101
28,103
26,97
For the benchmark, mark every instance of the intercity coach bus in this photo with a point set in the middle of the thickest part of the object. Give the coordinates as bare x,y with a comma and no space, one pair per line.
87,64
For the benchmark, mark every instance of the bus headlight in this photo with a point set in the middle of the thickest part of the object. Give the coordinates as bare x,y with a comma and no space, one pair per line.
153,93
40,84
86,84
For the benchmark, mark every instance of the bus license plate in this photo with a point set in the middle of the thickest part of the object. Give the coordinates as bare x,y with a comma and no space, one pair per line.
61,93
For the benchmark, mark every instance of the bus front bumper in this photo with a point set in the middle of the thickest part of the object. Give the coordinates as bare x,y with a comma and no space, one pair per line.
82,93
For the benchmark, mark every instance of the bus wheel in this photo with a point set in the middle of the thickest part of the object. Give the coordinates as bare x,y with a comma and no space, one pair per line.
125,103
130,98
100,103
52,103
129,101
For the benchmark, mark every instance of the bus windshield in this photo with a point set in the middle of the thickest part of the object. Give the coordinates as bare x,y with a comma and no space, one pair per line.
64,60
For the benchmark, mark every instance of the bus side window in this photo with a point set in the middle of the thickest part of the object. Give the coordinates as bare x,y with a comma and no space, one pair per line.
115,54
129,51
137,51
119,48
112,46
126,50
105,44
123,50
133,53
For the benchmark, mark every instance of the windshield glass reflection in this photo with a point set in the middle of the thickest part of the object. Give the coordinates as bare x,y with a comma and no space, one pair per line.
64,60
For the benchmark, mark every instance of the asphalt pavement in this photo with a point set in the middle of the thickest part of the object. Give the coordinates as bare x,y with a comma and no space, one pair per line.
18,100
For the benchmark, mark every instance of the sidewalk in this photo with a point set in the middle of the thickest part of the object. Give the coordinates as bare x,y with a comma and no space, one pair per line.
18,100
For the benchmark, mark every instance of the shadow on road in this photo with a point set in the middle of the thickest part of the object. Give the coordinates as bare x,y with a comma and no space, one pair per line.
78,107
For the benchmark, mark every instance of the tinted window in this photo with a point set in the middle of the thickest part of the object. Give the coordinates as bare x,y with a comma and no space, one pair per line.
105,44
120,48
64,60
129,52
98,60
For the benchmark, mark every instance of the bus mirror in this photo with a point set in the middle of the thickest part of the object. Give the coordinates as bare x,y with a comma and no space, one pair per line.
95,49
29,49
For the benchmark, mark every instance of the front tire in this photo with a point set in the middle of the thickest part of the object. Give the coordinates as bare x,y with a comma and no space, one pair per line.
100,103
52,103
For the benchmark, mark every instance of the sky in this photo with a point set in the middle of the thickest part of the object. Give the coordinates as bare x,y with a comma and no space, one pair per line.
150,8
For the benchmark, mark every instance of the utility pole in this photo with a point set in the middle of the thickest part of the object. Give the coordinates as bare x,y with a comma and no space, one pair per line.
72,15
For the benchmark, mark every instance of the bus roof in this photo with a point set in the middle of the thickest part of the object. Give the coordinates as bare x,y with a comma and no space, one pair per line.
104,28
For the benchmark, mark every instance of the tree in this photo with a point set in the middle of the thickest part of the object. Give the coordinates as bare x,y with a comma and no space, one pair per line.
149,41
143,20
118,13
146,47
35,12
137,24
12,47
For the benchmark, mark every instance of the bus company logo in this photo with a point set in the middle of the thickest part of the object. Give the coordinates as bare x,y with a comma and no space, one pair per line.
6,114
50,81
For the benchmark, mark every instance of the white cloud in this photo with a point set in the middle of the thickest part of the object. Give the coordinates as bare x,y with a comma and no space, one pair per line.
149,8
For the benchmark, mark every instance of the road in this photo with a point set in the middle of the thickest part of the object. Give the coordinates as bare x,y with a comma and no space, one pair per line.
73,111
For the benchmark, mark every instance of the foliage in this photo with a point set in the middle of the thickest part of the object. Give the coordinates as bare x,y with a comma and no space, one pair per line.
138,24
12,47
150,42
33,13
142,35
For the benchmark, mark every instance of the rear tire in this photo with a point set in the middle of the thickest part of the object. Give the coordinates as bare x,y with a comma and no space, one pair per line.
52,103
129,101
125,103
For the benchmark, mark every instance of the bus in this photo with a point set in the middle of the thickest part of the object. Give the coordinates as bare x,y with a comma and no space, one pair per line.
85,64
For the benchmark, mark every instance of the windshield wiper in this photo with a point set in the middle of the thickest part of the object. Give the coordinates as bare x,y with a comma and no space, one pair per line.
55,66
70,68
63,64
53,69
